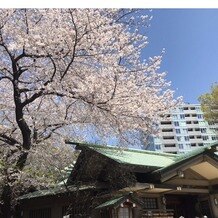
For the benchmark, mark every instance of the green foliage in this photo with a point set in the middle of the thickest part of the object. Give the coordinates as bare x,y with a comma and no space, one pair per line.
209,104
46,166
46,163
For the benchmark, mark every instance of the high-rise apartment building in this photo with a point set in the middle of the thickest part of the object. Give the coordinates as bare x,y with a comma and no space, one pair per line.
185,129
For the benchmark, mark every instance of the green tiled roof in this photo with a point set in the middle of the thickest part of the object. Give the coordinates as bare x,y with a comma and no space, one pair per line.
134,157
114,202
144,158
111,202
54,191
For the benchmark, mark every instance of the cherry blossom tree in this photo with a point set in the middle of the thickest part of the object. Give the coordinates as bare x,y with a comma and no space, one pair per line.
47,165
75,67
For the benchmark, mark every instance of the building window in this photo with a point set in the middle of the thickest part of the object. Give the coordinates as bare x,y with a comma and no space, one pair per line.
214,137
181,146
178,131
203,130
186,138
200,116
182,116
157,147
176,123
45,212
175,116
150,203
178,138
205,137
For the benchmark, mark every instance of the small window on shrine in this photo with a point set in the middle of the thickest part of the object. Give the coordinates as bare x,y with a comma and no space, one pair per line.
125,212
38,213
150,203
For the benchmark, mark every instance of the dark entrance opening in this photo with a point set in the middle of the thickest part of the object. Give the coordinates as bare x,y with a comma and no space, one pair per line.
183,205
205,208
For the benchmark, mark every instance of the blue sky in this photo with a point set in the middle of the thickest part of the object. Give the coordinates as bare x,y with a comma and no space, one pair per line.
190,38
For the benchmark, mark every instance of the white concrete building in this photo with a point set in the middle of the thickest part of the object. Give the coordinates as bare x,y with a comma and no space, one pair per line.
185,129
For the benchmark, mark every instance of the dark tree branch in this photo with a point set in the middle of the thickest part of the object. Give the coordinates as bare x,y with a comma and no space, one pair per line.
5,77
26,55
42,92
124,14
7,139
32,98
74,46
26,21
54,72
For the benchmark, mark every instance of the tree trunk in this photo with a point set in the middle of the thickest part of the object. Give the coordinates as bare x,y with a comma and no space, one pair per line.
6,209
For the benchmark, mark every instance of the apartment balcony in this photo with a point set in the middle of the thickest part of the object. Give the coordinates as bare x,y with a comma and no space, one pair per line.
189,111
168,134
195,140
166,126
194,133
169,141
192,125
170,149
191,119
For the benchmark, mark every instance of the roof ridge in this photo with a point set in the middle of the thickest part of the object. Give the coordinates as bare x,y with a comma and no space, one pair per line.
122,148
